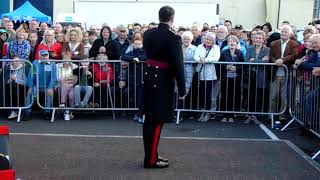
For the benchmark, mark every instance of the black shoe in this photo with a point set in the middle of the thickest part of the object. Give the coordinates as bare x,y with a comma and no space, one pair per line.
25,117
170,120
47,116
158,164
162,159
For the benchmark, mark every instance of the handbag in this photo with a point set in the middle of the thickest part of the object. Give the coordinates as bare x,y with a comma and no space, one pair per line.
195,76
198,69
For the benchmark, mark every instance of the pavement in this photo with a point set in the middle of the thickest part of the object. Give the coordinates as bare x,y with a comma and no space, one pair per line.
94,146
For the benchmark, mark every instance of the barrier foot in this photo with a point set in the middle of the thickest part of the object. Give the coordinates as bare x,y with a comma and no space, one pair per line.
316,155
53,115
19,116
112,106
113,115
178,118
288,124
272,121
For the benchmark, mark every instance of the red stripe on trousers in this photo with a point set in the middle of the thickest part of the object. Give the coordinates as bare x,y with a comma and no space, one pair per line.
155,144
7,174
4,130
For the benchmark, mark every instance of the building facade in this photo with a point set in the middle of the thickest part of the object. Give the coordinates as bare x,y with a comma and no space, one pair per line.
246,12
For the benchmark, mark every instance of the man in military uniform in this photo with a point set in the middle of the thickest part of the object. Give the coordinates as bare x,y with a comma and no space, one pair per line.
164,66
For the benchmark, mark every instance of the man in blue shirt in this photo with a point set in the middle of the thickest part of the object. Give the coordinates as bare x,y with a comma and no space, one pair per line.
45,74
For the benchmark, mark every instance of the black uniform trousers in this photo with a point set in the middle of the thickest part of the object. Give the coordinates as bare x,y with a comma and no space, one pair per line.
151,136
157,100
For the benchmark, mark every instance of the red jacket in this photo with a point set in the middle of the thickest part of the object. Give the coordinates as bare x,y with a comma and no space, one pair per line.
56,48
4,49
102,73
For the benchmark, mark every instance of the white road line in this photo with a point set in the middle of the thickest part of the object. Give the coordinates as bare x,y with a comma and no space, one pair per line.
268,132
137,137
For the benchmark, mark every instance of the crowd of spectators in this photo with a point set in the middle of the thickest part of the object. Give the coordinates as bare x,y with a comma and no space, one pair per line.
86,84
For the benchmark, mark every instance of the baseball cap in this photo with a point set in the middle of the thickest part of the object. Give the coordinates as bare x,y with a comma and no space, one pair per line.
122,28
43,52
238,26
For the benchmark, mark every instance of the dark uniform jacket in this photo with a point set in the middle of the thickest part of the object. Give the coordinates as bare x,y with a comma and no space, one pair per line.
163,46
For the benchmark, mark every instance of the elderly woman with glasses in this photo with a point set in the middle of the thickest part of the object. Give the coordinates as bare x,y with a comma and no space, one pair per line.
205,54
188,57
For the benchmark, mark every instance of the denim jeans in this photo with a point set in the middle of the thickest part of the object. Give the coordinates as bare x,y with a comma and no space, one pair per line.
82,89
42,93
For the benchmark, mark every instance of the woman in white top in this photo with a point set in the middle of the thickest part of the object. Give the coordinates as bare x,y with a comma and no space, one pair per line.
206,53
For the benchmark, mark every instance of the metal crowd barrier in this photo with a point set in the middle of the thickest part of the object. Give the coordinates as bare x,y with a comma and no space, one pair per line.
117,86
248,93
111,85
13,85
304,101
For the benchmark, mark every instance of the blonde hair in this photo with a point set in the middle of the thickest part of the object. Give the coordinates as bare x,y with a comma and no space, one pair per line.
79,33
262,33
48,31
20,29
102,57
234,38
306,37
309,30
66,55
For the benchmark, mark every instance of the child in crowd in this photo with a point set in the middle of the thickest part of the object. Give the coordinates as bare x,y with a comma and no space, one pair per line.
103,76
66,81
231,78
102,50
84,84
45,74
132,76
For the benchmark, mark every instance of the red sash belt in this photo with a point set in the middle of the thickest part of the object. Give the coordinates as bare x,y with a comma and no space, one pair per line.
157,64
